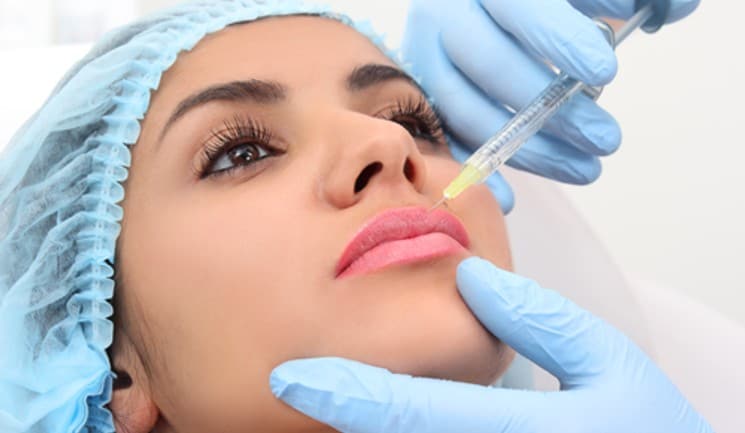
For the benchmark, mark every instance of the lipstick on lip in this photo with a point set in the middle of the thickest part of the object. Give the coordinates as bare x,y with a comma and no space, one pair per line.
401,236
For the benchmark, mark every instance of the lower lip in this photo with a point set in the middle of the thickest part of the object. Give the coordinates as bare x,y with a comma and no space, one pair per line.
404,251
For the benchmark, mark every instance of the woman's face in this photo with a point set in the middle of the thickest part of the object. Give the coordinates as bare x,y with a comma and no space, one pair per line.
229,259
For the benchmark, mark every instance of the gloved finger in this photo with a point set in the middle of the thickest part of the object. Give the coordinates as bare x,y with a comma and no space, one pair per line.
502,191
624,9
516,82
560,33
357,398
496,183
472,119
543,326
680,9
553,159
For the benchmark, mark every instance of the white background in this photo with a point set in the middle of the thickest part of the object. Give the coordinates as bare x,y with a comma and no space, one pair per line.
670,204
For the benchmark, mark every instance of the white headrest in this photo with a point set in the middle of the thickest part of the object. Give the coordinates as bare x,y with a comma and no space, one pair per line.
552,244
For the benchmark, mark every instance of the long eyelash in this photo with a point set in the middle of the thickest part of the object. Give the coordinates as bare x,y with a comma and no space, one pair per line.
420,109
239,130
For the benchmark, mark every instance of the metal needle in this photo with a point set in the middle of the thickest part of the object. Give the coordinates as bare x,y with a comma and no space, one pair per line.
438,204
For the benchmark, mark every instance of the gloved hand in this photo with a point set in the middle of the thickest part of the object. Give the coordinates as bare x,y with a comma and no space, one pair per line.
474,57
608,384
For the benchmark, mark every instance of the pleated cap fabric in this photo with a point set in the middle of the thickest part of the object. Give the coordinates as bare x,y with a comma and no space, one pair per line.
60,184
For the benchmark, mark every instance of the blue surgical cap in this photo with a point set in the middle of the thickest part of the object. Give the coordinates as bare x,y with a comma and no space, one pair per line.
60,185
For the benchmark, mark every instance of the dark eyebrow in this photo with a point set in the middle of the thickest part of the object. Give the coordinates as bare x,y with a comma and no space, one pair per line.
262,92
371,74
268,92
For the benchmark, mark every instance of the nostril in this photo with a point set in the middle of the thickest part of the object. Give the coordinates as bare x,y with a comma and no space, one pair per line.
364,178
409,170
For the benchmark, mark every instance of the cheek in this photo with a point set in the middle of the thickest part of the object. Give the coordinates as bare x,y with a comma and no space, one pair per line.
212,278
486,226
224,264
213,275
477,208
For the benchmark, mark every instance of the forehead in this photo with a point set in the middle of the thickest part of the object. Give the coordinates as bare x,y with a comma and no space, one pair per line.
294,50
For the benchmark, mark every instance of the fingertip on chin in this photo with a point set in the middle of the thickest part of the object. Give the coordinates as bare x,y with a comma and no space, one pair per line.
469,268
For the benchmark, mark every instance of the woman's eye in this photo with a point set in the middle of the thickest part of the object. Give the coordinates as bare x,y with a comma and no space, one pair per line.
241,155
413,126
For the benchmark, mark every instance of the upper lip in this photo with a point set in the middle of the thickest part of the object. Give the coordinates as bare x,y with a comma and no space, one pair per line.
400,223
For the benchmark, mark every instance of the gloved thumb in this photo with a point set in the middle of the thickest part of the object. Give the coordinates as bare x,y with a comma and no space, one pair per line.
543,326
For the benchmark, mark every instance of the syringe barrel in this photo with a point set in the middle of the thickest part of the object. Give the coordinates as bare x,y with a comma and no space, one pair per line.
526,123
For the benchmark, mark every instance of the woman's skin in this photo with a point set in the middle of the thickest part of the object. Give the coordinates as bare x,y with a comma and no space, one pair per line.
223,278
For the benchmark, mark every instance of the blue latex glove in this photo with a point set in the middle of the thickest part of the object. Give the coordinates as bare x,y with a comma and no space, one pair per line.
608,384
476,57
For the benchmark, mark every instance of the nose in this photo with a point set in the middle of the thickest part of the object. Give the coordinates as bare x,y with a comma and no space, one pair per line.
373,156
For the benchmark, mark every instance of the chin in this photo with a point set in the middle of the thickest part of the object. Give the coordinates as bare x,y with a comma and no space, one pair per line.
468,362
412,320
464,352
434,333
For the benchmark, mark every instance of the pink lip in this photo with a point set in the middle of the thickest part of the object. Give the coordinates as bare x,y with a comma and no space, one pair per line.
402,236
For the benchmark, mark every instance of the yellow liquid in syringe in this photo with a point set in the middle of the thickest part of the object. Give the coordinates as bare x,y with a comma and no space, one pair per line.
469,176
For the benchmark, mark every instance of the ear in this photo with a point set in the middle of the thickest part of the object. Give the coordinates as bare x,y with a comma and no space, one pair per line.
132,406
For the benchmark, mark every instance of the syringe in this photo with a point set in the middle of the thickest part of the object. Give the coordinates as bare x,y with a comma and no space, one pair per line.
528,121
